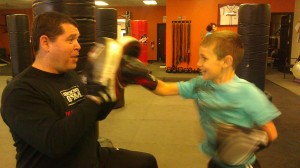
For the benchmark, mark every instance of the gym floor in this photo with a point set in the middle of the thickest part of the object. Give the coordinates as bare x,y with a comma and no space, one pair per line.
168,127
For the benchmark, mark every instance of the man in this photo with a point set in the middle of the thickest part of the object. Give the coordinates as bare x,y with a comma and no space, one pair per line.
50,116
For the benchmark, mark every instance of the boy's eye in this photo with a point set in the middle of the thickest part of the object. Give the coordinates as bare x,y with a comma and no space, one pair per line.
204,58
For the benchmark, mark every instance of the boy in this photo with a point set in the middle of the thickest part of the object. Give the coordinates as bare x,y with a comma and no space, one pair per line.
229,107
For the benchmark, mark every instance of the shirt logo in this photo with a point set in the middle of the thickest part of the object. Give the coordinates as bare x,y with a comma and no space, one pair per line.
72,95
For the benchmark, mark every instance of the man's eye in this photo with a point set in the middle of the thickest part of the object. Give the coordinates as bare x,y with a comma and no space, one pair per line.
71,40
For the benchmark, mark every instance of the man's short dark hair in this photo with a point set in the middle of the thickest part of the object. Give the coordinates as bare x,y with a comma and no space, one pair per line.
49,24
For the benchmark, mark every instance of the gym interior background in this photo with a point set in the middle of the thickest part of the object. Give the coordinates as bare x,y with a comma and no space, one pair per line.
156,129
199,12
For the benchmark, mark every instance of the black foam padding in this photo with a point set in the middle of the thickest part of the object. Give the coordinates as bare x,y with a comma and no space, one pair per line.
106,23
19,41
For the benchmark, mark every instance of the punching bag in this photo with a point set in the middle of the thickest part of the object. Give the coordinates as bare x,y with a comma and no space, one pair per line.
106,23
83,12
139,30
19,40
253,28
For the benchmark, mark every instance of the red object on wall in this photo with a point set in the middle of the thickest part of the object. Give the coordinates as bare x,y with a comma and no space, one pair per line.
139,30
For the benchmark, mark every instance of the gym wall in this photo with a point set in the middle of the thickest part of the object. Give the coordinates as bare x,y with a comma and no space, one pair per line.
154,15
201,13
295,44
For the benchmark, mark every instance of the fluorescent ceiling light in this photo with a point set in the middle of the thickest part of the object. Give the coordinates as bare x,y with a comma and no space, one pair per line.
149,2
101,3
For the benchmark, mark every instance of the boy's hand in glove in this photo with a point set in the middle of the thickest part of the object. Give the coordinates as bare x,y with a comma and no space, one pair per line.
132,70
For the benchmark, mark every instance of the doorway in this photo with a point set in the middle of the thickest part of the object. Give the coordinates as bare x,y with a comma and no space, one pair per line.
161,42
280,41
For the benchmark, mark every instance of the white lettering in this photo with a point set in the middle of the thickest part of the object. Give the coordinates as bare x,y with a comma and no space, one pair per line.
72,95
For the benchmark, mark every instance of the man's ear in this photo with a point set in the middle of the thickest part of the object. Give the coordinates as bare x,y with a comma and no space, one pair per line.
228,61
44,43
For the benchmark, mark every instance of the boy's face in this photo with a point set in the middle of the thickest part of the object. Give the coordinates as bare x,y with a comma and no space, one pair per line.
211,68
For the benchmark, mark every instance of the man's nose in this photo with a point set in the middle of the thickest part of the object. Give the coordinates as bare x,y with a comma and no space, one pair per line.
77,45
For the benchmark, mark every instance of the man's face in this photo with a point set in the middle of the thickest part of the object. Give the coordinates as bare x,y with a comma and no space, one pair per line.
64,51
210,66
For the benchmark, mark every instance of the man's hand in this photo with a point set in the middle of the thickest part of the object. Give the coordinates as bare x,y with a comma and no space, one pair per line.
103,61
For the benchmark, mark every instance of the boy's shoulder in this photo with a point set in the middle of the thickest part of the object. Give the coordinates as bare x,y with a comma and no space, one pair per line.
236,83
246,88
242,82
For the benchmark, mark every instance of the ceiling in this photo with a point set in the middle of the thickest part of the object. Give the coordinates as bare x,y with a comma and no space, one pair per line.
23,4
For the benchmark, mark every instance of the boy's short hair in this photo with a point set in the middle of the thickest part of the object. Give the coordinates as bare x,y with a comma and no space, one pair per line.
49,24
225,43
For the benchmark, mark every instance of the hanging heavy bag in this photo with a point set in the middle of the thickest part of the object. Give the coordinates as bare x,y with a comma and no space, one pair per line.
19,40
253,28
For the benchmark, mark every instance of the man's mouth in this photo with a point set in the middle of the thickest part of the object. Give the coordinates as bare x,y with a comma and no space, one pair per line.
74,58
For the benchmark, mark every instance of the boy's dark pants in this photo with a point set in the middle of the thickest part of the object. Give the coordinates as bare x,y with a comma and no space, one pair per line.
212,164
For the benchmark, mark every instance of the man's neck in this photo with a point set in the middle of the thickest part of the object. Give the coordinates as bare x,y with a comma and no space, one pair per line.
43,65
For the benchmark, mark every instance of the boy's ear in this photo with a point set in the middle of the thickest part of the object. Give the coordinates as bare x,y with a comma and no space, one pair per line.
228,61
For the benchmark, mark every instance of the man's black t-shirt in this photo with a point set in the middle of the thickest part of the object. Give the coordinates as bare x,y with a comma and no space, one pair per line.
52,123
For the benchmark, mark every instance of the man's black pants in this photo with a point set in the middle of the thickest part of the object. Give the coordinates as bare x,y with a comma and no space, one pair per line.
116,158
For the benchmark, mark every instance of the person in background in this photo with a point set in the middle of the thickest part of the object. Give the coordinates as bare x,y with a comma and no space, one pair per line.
236,116
52,115
210,28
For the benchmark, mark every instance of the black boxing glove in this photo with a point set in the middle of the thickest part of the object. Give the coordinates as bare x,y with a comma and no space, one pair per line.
103,61
132,70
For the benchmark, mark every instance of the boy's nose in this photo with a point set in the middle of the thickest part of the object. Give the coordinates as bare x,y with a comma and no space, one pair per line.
199,63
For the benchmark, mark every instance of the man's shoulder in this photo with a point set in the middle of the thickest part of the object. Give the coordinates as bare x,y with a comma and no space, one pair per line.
18,82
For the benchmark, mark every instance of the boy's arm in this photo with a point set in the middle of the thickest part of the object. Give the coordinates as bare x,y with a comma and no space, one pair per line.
271,130
133,71
166,88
